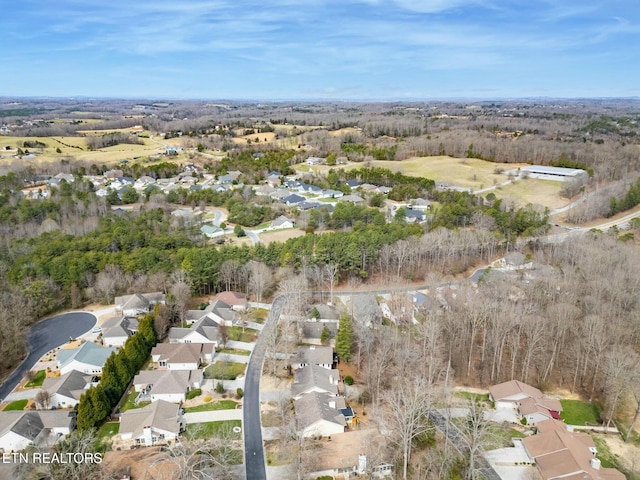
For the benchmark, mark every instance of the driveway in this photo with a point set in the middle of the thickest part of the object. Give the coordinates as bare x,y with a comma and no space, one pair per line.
213,416
47,335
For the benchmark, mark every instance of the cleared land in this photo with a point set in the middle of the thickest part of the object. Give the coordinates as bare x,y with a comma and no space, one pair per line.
534,191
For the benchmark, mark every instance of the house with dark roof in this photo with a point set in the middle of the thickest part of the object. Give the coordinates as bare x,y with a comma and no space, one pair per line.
117,330
235,300
88,358
158,422
65,391
293,199
19,429
205,330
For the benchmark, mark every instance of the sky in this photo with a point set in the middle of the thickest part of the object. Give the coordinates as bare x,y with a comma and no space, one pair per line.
363,50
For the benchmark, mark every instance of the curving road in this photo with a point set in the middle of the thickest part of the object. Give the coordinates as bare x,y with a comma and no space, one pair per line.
254,460
47,335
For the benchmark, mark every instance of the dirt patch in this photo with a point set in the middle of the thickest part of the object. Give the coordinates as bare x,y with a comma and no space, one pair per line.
280,235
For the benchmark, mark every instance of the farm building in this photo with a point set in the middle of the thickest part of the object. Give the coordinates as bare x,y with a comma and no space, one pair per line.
552,173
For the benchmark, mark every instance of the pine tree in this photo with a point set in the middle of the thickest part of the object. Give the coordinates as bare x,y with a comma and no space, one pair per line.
344,339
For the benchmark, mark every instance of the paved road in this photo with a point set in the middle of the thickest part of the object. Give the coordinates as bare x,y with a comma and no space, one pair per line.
253,448
47,335
459,442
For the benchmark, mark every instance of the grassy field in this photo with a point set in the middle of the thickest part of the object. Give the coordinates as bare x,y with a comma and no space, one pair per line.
534,191
280,235
210,406
37,380
16,405
212,429
234,351
225,370
577,412
242,334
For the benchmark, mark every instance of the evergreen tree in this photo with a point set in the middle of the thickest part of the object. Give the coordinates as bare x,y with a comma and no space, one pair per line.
344,340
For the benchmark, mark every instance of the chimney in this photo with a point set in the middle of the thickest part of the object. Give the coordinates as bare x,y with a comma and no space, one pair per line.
595,464
332,404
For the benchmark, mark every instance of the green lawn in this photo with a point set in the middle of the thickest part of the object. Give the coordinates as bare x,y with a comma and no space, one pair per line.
224,370
478,397
212,429
259,314
129,403
242,334
234,351
577,412
16,405
219,405
108,429
38,379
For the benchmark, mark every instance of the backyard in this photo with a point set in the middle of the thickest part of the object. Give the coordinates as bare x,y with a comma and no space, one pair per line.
225,370
577,412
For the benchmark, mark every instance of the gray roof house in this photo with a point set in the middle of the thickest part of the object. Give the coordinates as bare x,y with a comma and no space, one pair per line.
352,198
88,358
19,429
314,378
293,199
138,303
205,330
313,355
158,422
167,385
319,415
117,330
283,222
65,391
182,356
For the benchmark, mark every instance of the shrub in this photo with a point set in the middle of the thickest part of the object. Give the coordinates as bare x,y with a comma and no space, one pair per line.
194,393
523,421
348,380
239,392
219,387
207,398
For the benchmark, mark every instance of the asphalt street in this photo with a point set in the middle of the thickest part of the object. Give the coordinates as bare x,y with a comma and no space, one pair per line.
253,448
47,335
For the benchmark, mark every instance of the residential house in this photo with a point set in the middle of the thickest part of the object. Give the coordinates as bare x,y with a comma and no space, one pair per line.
293,199
112,174
265,191
139,303
280,194
144,182
312,330
355,199
182,356
527,400
211,231
19,429
310,205
282,222
205,330
235,300
414,216
117,330
313,355
168,385
311,189
329,193
319,415
353,183
158,422
274,181
88,358
316,161
561,453
65,391
420,204
314,378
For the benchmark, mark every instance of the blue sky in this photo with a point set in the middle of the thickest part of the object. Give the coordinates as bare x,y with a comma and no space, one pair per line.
321,49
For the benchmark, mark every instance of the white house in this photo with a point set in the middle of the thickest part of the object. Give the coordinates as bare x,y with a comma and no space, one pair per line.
282,222
205,330
318,415
158,422
313,355
88,358
182,356
117,330
65,391
19,429
314,378
168,385
139,303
